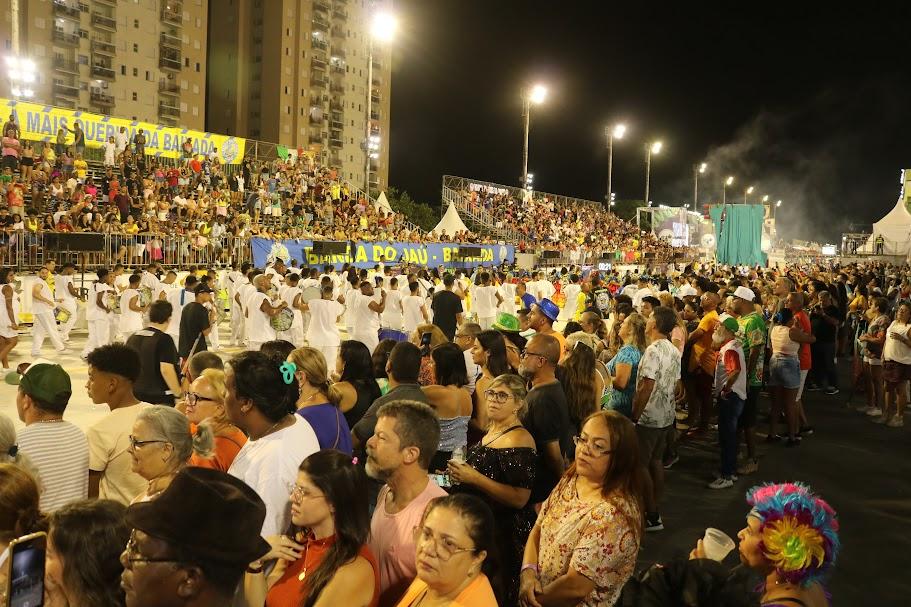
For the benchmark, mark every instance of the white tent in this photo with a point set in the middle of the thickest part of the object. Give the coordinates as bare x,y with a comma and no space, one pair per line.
895,227
451,223
382,204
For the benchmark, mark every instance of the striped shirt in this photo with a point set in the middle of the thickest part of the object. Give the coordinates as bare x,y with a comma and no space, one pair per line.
60,452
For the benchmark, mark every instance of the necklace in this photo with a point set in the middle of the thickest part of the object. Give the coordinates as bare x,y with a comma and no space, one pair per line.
48,421
271,428
303,400
303,574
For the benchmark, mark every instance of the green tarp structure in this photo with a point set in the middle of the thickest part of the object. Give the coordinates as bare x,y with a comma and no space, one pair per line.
282,152
738,241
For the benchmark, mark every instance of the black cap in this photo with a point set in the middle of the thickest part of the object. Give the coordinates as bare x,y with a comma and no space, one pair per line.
203,288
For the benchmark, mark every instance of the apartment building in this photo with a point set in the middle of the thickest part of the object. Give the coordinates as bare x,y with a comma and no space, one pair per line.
295,72
138,59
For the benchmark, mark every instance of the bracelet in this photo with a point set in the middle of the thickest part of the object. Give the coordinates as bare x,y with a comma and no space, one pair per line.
529,566
255,567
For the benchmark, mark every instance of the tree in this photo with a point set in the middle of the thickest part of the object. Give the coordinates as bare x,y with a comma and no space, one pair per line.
419,213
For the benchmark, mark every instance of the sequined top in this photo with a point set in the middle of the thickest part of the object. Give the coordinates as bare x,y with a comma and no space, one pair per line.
597,538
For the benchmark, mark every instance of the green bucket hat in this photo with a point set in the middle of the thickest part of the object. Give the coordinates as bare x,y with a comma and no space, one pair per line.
506,322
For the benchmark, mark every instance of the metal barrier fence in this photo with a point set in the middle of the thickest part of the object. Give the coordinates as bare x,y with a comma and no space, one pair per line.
26,251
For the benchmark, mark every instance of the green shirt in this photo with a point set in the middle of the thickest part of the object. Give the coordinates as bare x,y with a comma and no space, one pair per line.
753,335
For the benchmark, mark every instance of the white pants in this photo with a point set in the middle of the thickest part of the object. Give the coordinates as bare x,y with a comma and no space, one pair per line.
486,322
99,335
306,319
70,306
369,338
237,324
115,327
330,353
43,326
213,336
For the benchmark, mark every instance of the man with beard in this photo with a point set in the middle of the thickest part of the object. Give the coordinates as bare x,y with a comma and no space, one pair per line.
406,437
546,415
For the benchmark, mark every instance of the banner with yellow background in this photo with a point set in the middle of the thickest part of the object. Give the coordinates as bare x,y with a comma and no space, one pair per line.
41,122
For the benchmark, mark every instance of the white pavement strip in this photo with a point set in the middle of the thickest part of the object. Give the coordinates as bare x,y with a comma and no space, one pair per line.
81,411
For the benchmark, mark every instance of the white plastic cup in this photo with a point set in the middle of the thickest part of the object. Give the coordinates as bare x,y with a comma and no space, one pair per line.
716,544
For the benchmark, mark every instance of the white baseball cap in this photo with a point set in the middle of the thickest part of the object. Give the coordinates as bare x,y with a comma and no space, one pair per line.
744,293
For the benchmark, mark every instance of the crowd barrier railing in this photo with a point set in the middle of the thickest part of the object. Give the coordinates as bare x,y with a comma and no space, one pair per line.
27,251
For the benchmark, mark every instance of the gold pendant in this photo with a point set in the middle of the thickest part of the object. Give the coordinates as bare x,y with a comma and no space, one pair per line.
302,575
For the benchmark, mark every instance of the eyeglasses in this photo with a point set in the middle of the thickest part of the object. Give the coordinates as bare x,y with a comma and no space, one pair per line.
526,354
497,397
591,446
444,547
193,398
133,555
299,494
135,444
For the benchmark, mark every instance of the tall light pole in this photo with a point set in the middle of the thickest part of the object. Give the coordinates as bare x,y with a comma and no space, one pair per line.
749,190
652,148
382,29
724,187
697,170
535,95
617,131
22,75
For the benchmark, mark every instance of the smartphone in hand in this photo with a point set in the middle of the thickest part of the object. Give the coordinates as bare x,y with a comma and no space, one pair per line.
25,571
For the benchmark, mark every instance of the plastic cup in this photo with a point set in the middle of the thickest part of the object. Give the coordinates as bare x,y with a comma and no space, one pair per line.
716,544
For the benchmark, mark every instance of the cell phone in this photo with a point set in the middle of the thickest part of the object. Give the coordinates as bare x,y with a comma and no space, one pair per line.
426,336
441,480
25,571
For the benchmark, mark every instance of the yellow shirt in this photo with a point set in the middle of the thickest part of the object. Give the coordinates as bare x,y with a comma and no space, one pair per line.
82,168
477,594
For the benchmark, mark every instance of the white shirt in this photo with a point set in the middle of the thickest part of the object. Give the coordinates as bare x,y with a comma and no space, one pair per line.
473,370
92,311
893,349
484,300
545,289
351,296
258,321
60,452
150,280
508,291
244,292
41,307
392,314
366,321
120,140
412,312
288,294
269,465
571,292
129,319
179,299
640,295
322,330
61,288
109,152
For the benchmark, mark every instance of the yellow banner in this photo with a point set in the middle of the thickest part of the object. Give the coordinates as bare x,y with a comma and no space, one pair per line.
41,122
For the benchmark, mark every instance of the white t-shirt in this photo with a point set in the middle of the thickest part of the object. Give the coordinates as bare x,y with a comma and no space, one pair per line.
270,464
484,300
545,289
288,294
61,288
60,452
120,140
149,280
473,370
569,306
364,319
893,349
412,312
258,321
351,296
508,291
392,314
92,311
108,444
129,319
179,300
322,330
41,307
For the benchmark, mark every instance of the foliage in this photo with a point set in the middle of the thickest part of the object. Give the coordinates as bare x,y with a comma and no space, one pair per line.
419,213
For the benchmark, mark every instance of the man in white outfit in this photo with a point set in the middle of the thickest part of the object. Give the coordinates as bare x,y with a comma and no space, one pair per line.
305,283
291,295
485,299
236,281
366,314
325,312
413,310
259,312
65,294
44,324
130,310
179,300
393,315
571,294
97,313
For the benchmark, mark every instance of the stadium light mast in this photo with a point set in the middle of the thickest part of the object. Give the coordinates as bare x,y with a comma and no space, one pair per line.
382,30
749,190
724,188
652,148
535,95
697,171
617,131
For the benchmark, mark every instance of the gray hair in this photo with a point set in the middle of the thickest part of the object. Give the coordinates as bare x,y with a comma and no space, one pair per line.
9,450
173,426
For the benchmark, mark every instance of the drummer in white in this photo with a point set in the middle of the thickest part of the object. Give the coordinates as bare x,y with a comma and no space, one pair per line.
366,311
66,294
259,312
393,315
322,334
413,309
312,282
9,315
130,310
97,312
44,324
291,295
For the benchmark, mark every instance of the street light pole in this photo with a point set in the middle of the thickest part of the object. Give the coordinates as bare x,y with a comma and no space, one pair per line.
649,149
367,150
535,94
696,171
749,190
724,187
618,132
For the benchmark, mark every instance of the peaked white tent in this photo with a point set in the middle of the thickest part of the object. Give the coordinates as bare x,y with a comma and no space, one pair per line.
382,203
895,227
451,223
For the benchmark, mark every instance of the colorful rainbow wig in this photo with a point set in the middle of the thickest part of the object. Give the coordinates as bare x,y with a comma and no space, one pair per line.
799,531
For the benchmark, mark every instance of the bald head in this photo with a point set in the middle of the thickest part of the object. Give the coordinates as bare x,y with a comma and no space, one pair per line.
545,345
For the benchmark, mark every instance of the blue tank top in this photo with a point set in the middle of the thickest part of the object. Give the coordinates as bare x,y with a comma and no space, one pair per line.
330,426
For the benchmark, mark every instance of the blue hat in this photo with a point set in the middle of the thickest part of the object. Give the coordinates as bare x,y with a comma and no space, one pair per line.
548,309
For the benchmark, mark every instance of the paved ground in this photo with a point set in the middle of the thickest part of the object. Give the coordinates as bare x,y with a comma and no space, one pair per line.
861,468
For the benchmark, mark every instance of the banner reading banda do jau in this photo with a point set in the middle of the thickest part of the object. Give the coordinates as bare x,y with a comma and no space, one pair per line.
41,122
367,254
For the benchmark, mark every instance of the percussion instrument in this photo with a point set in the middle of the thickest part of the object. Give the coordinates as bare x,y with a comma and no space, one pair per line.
112,301
393,334
145,296
62,315
283,320
310,293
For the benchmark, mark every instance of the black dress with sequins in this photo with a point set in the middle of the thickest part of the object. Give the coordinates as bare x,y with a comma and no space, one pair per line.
514,466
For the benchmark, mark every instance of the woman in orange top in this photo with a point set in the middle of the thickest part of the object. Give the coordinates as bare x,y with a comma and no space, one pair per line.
206,401
324,560
452,546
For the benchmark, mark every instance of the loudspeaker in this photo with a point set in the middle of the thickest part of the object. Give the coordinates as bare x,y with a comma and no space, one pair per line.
327,247
77,241
470,251
608,254
649,256
550,254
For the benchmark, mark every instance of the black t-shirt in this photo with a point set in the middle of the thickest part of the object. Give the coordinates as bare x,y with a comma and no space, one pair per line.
193,321
446,305
822,330
547,420
154,347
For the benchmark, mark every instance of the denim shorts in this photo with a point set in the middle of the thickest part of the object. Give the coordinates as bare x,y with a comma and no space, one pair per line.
784,371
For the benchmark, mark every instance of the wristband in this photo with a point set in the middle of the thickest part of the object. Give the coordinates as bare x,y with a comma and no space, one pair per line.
529,566
255,567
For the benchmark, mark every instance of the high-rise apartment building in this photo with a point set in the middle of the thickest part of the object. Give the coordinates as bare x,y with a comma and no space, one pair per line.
295,72
138,59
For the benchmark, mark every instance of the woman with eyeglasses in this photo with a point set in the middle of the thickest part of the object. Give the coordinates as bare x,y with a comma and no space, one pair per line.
323,559
161,445
583,546
489,353
455,554
205,403
500,470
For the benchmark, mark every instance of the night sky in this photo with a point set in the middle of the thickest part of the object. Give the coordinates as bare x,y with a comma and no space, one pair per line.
811,105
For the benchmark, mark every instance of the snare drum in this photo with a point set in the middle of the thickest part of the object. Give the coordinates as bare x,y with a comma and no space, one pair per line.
393,334
62,315
112,301
145,296
283,320
309,294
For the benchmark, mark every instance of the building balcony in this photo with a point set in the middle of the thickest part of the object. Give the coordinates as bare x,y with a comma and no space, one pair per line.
170,41
336,106
374,98
338,69
377,78
100,98
339,52
335,142
338,32
102,71
318,80
374,115
322,5
62,37
65,90
337,125
103,48
316,139
340,13
170,61
320,24
65,65
168,87
337,87
61,9
318,62
104,22
107,2
316,43
165,109
172,16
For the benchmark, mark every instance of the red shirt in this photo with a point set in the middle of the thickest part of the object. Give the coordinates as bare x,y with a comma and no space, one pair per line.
803,321
173,176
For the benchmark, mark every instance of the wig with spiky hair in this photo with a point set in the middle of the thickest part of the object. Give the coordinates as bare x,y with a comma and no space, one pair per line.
799,531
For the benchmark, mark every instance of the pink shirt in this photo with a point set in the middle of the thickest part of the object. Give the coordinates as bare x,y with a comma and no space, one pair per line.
392,541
